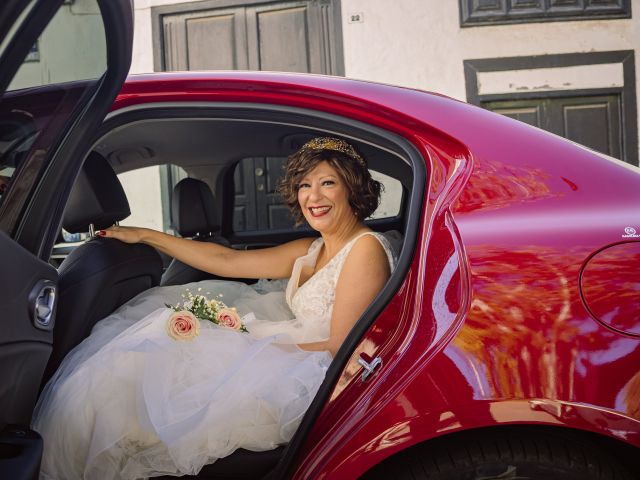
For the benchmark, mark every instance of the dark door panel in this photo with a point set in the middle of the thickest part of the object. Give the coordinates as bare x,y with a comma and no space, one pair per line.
258,205
594,120
290,36
49,112
531,111
24,345
284,37
20,453
188,40
245,202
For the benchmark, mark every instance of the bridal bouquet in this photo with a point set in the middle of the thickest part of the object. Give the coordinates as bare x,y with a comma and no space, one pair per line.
184,323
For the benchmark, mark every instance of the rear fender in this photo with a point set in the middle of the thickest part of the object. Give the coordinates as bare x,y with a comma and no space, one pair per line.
468,417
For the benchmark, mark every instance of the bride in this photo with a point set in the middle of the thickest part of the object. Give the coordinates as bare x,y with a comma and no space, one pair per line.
132,402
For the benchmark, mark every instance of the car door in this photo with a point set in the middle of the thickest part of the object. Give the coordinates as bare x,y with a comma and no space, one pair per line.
61,65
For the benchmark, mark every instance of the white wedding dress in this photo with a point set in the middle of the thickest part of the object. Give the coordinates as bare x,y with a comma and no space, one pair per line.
130,402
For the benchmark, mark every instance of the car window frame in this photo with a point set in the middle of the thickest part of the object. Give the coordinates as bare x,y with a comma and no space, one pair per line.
34,218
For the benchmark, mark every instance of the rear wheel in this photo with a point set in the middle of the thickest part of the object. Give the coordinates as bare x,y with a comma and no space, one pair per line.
503,454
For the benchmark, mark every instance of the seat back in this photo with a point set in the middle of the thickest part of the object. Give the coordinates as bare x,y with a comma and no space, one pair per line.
193,213
101,274
193,216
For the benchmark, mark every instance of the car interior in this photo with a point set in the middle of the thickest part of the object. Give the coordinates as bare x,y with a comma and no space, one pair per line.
210,147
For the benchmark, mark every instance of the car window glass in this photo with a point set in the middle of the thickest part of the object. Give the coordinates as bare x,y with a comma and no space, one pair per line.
65,62
258,206
8,37
390,198
148,191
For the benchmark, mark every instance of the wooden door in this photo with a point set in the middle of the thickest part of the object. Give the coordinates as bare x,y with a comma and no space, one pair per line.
293,36
594,121
205,40
285,37
257,204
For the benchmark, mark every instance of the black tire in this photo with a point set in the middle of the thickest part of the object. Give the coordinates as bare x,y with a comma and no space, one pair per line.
504,454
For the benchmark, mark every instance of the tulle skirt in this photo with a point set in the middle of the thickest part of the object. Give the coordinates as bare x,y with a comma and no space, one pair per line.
130,402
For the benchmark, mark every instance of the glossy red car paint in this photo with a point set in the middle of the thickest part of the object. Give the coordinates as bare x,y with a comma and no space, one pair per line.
490,325
610,282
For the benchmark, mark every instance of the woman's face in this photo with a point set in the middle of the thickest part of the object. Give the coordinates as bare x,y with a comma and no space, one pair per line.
324,199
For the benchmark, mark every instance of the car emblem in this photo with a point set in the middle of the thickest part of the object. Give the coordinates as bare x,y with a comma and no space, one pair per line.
630,232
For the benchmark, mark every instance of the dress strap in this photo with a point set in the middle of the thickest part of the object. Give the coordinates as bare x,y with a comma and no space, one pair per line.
383,241
315,245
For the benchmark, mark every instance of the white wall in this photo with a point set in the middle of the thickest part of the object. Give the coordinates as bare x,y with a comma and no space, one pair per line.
420,44
72,47
142,188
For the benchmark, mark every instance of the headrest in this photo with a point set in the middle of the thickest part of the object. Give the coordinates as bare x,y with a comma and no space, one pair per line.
193,208
97,197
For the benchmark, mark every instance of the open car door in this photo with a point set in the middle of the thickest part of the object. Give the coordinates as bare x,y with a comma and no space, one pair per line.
61,65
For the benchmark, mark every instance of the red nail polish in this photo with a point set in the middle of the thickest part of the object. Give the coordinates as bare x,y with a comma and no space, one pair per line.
101,233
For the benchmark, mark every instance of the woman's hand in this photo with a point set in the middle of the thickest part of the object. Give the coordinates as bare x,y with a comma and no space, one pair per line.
274,262
124,234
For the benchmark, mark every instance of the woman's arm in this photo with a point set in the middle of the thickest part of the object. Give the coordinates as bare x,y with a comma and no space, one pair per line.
365,272
274,262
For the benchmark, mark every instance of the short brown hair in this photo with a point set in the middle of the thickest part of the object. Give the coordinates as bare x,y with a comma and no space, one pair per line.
364,191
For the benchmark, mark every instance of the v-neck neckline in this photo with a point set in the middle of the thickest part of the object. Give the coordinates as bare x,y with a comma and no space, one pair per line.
317,254
313,274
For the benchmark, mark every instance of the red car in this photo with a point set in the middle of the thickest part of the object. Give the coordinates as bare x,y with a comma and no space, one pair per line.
506,343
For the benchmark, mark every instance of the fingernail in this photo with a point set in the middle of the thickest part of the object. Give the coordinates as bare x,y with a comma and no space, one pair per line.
102,233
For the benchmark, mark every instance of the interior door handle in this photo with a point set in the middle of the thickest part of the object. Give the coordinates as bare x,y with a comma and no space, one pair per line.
42,304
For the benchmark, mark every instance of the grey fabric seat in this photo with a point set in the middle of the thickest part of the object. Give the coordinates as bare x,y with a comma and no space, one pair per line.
193,216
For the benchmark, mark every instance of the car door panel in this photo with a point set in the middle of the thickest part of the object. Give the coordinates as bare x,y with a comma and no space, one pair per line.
24,350
20,453
31,210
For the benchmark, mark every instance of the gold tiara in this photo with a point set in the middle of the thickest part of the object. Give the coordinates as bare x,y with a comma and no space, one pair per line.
335,144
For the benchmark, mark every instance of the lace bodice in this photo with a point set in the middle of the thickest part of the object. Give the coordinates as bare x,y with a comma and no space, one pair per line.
312,302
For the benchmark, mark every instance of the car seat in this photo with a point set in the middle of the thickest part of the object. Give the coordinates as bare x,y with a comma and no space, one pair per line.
193,216
102,273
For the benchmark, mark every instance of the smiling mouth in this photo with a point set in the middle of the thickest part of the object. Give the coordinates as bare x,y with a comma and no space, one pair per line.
318,211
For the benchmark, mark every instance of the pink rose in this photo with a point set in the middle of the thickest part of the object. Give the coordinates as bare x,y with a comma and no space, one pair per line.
228,317
183,325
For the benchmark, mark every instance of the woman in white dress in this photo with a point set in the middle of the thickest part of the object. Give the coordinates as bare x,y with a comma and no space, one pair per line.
131,402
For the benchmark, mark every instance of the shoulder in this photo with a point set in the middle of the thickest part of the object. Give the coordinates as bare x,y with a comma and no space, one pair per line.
365,269
367,253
